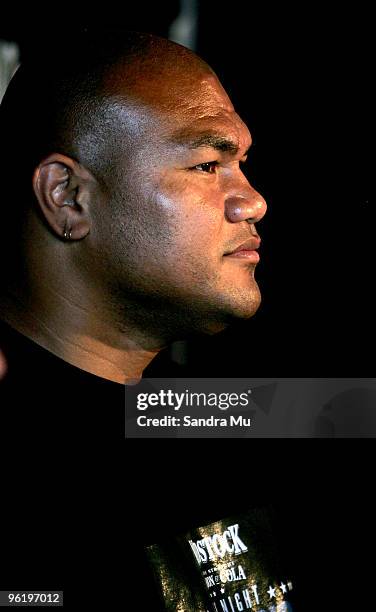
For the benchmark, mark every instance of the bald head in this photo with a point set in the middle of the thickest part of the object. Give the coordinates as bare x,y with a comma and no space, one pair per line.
129,151
66,99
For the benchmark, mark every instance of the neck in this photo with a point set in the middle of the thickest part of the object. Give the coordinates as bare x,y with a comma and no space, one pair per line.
78,333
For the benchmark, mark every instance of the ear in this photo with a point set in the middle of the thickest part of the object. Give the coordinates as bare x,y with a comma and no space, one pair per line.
64,190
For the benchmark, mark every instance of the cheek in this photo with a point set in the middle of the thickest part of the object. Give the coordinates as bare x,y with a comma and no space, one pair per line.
189,217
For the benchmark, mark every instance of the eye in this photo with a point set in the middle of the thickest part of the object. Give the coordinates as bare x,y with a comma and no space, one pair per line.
208,167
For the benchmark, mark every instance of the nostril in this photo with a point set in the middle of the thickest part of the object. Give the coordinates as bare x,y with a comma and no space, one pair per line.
236,212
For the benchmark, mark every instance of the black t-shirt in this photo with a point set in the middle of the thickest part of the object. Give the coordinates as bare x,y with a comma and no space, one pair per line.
72,509
80,502
46,398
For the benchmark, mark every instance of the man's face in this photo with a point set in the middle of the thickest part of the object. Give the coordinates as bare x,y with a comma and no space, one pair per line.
180,207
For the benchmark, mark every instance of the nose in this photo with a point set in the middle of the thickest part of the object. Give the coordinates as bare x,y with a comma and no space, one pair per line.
246,204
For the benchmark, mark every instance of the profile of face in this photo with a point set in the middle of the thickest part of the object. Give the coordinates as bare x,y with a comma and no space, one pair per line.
170,238
182,228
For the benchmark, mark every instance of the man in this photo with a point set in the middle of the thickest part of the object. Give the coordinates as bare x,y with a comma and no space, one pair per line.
140,225
126,223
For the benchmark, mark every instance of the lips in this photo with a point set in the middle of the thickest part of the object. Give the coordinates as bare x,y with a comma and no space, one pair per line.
246,251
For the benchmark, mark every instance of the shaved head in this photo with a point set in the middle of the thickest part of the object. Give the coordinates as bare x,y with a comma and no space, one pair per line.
70,98
127,207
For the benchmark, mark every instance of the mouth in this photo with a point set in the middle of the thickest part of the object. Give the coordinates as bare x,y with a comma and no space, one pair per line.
247,250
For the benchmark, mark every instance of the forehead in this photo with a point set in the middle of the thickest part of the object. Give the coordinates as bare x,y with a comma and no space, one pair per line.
203,108
178,110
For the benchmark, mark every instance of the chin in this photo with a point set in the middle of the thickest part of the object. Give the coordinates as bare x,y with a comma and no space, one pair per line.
228,311
245,311
245,303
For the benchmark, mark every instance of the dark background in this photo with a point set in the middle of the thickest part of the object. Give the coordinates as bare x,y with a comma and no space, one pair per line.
300,78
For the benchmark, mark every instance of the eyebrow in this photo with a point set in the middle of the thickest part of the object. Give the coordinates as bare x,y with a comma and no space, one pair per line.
209,139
